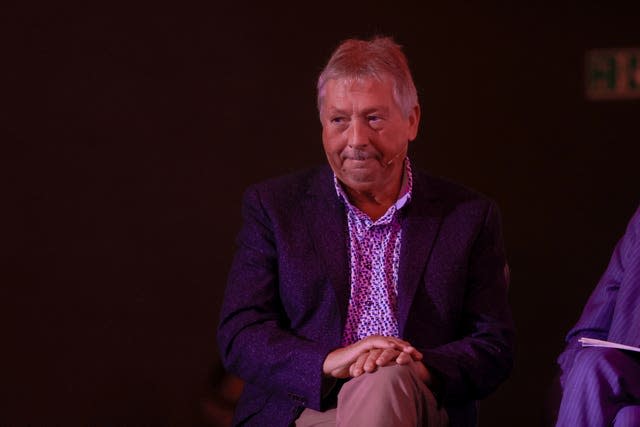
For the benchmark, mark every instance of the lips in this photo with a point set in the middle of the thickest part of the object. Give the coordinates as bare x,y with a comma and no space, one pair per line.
358,155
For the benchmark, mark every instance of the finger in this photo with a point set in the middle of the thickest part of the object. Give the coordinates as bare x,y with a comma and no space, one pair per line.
378,341
352,370
357,367
387,356
361,347
370,363
413,352
398,343
389,339
336,360
403,359
404,345
383,342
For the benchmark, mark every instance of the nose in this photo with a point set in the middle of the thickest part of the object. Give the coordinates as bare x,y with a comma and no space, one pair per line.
358,134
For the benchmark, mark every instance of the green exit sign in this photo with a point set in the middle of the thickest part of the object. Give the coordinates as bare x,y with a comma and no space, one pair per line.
613,73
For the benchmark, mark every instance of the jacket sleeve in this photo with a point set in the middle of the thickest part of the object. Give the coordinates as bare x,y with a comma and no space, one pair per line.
253,338
597,314
474,365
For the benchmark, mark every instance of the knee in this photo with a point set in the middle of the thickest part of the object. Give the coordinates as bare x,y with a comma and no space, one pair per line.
391,377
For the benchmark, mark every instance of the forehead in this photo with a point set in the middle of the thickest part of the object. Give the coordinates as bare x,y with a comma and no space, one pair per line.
360,90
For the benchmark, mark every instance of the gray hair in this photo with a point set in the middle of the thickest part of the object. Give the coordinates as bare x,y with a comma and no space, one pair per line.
377,58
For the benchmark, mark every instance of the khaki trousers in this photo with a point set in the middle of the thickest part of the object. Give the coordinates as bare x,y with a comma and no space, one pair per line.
393,396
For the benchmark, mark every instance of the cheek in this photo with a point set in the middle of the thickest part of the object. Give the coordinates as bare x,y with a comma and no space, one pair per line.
392,140
332,144
333,156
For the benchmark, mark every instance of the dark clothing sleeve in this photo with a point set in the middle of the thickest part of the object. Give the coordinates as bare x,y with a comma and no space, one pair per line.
254,339
599,314
474,365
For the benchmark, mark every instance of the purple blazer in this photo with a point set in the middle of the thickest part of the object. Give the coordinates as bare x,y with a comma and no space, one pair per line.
613,310
288,290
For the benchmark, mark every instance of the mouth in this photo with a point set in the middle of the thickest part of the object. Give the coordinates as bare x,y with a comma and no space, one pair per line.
359,156
358,161
350,163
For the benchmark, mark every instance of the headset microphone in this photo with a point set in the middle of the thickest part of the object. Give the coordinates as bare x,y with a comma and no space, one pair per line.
393,159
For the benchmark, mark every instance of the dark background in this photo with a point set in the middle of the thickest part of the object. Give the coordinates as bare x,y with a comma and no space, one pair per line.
130,133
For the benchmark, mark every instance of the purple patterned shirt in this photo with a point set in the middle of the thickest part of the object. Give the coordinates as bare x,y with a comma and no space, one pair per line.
375,257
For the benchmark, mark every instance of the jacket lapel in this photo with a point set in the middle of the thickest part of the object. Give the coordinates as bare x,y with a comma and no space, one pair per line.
327,224
329,234
419,231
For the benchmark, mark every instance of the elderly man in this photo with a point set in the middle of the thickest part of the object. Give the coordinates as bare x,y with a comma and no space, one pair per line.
601,386
366,292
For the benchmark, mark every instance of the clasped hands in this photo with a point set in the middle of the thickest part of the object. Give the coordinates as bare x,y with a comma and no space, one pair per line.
369,354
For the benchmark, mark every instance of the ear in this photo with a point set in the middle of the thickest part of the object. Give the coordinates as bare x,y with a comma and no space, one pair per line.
414,122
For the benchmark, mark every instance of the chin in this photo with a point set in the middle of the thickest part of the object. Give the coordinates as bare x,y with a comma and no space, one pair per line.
361,175
359,185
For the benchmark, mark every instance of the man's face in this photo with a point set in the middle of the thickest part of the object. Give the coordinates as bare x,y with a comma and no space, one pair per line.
364,133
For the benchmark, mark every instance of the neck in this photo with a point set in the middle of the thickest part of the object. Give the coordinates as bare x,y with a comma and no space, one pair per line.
368,204
374,203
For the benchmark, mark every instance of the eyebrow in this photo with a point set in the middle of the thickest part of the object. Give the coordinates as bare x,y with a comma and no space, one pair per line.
333,111
375,109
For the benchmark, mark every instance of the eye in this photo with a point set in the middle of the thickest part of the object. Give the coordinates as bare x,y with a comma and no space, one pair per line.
375,121
338,120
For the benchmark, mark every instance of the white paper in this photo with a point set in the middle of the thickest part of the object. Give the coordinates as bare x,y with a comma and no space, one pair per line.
592,342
